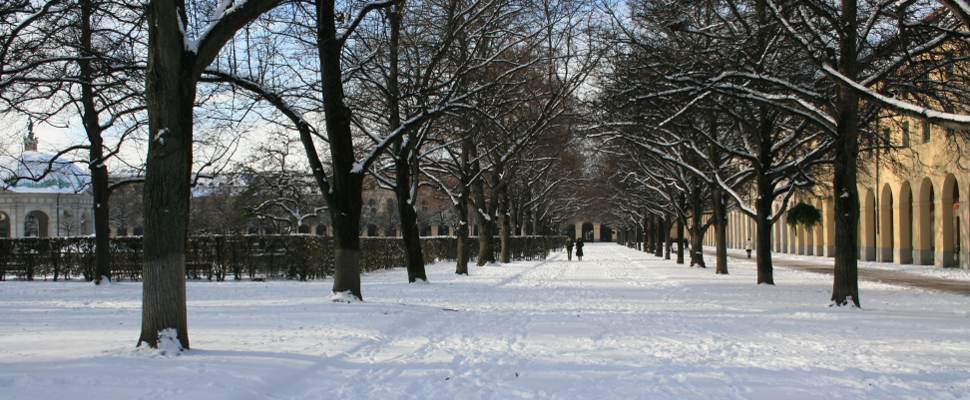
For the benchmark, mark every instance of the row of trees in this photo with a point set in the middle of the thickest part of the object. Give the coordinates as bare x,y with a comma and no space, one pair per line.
721,105
475,97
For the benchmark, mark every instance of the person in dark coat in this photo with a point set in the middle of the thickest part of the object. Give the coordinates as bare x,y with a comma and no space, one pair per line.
579,249
569,249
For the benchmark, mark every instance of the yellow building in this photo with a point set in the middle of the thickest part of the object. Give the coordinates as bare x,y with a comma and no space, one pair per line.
909,204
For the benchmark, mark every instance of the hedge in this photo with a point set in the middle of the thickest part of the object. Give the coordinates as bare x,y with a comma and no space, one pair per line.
220,257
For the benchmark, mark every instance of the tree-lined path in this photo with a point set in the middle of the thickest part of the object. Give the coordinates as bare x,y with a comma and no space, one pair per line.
620,324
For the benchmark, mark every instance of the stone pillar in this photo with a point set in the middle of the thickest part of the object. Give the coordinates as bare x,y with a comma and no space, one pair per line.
596,231
579,230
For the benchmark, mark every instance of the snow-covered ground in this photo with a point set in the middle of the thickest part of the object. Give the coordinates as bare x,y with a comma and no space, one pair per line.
620,324
924,270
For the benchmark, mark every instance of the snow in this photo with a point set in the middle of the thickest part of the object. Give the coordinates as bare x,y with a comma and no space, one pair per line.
621,324
924,270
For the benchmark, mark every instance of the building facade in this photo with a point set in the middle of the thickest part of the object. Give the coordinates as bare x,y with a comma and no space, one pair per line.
43,197
909,198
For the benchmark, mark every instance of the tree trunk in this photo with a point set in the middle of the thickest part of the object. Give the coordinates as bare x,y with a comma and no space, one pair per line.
170,87
461,265
680,240
486,250
345,195
668,239
506,228
763,209
402,157
720,232
409,222
647,234
845,285
99,171
697,228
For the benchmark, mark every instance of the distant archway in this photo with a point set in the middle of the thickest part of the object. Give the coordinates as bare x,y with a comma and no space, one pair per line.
884,248
4,225
926,229
371,230
904,219
868,227
444,230
606,233
303,229
588,231
950,221
36,224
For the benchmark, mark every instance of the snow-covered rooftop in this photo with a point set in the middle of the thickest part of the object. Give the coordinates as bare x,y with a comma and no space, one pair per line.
40,172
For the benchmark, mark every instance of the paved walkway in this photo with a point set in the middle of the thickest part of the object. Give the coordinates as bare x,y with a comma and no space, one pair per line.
875,275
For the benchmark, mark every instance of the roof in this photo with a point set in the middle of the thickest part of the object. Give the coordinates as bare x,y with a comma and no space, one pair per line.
26,174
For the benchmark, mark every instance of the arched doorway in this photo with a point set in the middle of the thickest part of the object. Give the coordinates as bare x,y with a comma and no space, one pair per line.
587,231
4,225
884,248
904,218
926,224
820,233
868,248
606,233
950,222
36,224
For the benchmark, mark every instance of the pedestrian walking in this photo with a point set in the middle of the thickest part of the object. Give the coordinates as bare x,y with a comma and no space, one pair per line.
569,249
579,249
747,247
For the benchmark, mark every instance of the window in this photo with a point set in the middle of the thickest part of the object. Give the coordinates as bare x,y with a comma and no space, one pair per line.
905,133
926,131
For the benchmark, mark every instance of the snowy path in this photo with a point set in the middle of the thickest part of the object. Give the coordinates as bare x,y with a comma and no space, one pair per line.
621,324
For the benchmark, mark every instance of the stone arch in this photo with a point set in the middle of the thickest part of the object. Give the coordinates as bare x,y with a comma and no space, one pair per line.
925,220
887,226
36,224
303,228
867,248
606,233
904,225
777,240
5,225
587,231
819,231
948,223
